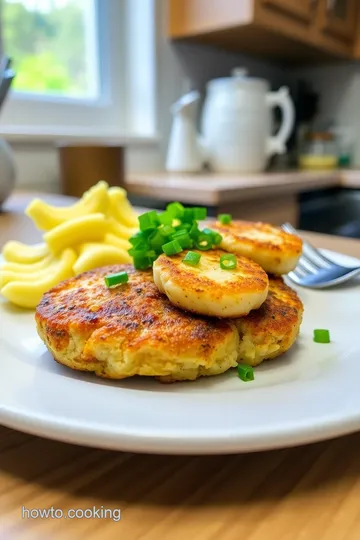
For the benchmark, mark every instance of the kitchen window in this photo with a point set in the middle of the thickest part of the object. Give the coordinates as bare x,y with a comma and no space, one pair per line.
84,68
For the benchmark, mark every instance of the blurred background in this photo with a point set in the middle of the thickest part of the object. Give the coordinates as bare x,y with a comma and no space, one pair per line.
246,106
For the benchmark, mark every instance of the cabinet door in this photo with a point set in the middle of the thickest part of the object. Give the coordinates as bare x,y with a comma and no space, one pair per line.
338,17
300,9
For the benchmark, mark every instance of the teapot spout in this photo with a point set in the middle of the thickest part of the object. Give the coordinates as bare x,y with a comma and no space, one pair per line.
186,104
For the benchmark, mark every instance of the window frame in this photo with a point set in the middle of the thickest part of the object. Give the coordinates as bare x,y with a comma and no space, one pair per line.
127,67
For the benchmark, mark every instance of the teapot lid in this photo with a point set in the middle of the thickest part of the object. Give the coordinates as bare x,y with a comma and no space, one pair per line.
239,77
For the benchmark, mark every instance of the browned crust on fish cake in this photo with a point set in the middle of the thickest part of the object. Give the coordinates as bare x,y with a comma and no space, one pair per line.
273,328
83,323
290,244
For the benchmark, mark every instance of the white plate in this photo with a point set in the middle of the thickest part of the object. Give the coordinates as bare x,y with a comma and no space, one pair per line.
311,393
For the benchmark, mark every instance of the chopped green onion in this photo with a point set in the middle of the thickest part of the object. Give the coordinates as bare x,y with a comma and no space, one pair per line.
188,215
321,336
245,372
142,262
203,242
199,212
165,218
228,261
217,238
170,232
149,220
138,239
183,238
225,219
171,248
116,279
166,230
175,209
156,240
192,258
152,254
194,232
210,232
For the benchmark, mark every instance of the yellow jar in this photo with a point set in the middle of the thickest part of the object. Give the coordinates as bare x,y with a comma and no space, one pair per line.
318,151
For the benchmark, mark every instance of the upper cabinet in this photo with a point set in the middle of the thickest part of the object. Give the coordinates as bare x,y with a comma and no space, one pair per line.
338,17
293,30
301,9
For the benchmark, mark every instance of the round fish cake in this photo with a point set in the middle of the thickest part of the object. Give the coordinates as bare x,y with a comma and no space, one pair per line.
272,329
208,289
131,330
276,251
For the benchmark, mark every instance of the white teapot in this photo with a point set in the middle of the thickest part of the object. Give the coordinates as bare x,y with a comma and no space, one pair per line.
235,126
236,123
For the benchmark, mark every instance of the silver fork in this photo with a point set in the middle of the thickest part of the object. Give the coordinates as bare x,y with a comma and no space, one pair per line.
316,271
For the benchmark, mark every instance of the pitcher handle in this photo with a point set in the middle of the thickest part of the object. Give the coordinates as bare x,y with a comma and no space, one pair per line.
277,143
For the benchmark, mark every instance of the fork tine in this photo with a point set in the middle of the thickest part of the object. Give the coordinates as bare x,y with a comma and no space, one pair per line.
294,278
309,251
313,259
306,266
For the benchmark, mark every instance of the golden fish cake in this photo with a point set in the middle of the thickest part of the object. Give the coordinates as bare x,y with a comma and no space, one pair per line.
276,251
207,288
273,328
131,330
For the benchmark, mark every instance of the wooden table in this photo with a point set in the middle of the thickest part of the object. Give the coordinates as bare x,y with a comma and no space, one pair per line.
304,493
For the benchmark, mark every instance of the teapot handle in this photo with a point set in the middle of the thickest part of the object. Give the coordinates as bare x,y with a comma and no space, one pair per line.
281,98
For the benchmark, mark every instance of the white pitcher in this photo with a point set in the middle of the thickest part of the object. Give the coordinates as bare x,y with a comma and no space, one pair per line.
236,123
185,151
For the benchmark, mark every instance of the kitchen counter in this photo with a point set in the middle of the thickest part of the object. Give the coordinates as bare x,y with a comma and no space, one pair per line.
309,492
216,189
269,196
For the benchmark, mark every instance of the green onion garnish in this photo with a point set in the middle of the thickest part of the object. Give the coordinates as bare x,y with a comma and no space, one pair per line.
245,372
183,238
224,219
203,242
192,258
175,209
321,336
199,212
170,232
165,218
142,261
156,241
166,230
217,238
188,215
184,227
171,248
194,231
138,239
116,279
228,261
149,220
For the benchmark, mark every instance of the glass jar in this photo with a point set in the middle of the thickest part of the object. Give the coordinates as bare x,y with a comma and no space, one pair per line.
318,151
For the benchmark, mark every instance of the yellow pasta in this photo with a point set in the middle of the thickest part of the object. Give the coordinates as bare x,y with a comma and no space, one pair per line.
95,256
120,208
46,217
90,233
28,294
77,231
116,241
18,252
